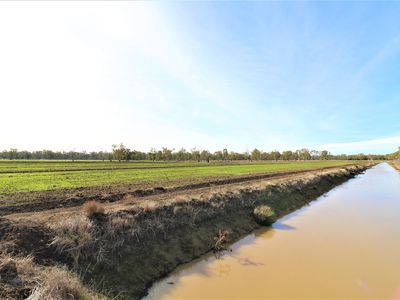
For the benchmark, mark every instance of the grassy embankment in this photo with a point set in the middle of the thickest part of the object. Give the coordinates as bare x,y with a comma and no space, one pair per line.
28,176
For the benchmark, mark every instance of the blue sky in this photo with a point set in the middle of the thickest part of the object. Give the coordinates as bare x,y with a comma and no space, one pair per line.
271,75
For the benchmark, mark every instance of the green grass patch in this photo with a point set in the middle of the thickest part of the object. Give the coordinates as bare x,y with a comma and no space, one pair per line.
119,173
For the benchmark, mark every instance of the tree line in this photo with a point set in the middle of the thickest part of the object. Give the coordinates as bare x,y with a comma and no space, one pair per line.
121,153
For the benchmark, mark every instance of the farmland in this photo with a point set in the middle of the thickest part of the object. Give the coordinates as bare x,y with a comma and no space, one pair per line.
28,176
177,209
45,210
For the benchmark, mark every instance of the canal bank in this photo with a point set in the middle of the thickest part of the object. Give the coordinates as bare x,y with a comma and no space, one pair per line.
345,245
175,233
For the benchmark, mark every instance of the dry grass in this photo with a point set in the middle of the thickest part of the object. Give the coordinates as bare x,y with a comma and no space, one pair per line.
180,199
23,267
60,284
120,223
84,239
73,236
93,209
221,240
46,283
128,198
23,278
149,206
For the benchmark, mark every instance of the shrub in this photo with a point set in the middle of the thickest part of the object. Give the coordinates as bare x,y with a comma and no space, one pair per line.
264,215
93,209
221,240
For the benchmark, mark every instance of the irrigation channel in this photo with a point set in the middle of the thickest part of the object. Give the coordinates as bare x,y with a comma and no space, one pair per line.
346,245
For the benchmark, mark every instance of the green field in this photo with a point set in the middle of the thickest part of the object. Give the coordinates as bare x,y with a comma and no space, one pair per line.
54,166
51,175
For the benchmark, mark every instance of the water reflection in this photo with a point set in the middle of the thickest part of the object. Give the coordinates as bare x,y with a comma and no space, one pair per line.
345,245
245,261
282,226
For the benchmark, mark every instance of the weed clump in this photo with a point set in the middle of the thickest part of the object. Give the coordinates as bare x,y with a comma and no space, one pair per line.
221,240
264,215
93,209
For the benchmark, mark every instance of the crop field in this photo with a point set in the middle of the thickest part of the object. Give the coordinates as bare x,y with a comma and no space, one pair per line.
29,166
26,176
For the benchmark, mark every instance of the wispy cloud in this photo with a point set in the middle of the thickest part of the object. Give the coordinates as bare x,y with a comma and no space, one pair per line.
383,145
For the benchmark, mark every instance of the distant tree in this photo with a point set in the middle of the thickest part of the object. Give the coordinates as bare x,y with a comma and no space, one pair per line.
304,154
218,155
276,155
255,154
159,155
314,154
205,155
287,155
13,153
225,154
166,154
120,152
182,154
323,155
195,154
265,155
152,154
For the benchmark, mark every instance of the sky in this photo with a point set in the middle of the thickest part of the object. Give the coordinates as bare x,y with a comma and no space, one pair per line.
208,74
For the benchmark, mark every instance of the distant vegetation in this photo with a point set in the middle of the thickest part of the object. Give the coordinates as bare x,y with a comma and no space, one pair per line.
395,155
120,153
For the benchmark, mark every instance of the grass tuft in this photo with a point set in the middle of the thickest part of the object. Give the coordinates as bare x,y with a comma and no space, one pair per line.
264,215
73,236
60,284
93,209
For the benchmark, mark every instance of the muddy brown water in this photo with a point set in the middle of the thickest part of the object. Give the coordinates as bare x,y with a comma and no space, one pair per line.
344,245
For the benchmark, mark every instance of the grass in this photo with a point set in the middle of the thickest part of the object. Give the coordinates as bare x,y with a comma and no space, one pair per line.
92,209
59,284
20,166
264,215
110,173
46,283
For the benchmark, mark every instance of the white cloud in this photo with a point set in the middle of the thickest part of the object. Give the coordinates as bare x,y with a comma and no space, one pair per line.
383,146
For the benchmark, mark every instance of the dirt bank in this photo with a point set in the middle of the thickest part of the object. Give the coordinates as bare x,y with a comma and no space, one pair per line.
395,164
138,240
